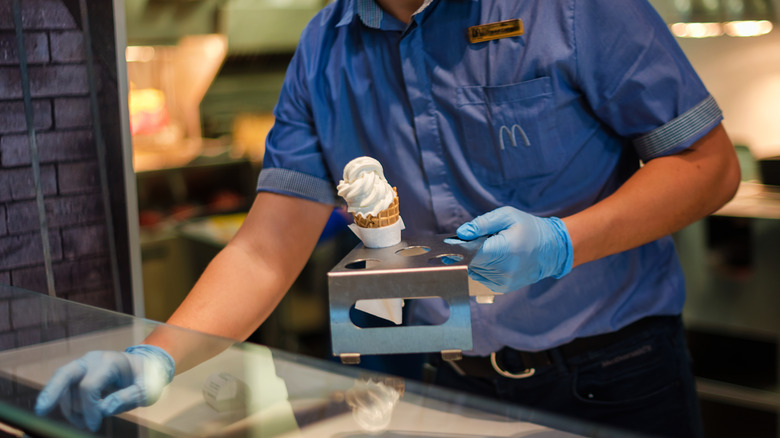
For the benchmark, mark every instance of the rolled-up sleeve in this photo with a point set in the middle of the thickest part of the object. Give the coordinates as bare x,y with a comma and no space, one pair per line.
680,132
290,182
293,163
638,80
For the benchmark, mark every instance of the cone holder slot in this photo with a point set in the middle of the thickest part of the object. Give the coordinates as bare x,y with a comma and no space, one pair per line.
420,267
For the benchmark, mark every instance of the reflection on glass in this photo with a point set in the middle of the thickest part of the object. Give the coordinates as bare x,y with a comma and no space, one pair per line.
237,389
372,403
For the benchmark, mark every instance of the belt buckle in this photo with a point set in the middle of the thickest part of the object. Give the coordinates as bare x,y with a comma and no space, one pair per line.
528,372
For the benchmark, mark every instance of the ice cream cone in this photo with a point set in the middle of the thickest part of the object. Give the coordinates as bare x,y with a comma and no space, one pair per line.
385,218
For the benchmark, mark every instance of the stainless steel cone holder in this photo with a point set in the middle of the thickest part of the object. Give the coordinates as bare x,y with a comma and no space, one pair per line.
420,267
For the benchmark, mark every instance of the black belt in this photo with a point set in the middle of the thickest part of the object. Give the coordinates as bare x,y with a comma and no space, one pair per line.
490,366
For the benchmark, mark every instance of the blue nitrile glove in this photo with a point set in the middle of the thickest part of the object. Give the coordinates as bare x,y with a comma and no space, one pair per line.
134,378
521,250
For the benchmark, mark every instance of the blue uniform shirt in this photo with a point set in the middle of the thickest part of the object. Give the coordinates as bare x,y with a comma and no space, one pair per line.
549,122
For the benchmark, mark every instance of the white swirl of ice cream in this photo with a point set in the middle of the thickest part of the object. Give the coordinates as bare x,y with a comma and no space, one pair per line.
365,188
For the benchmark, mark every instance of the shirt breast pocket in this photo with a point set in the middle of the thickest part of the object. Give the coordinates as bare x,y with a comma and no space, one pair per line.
509,130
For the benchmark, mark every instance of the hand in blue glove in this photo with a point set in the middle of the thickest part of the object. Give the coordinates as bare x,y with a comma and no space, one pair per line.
521,250
136,377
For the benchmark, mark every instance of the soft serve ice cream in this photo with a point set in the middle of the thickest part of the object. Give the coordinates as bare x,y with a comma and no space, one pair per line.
370,198
373,203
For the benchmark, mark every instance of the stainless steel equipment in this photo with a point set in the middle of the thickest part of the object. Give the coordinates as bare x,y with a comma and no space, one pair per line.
421,267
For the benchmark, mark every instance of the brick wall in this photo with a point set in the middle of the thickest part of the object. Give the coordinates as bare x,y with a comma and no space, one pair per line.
65,136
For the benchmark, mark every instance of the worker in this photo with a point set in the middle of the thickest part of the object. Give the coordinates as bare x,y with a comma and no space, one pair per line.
577,137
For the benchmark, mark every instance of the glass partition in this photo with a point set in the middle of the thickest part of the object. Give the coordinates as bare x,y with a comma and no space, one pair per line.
240,389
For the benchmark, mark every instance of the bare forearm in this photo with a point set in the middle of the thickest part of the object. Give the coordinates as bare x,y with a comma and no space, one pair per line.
662,197
210,308
232,277
247,279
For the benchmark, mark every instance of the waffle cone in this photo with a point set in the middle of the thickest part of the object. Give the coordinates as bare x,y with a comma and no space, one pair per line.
385,218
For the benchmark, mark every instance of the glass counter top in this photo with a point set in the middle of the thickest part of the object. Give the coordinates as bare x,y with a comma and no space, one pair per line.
243,389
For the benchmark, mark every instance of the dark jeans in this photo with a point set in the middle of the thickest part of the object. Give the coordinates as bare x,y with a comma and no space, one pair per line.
642,383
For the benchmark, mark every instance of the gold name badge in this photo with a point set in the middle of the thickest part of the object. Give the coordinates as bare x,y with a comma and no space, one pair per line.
494,31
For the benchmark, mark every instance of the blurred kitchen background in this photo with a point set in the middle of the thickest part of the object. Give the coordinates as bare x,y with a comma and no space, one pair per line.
193,83
732,259
204,77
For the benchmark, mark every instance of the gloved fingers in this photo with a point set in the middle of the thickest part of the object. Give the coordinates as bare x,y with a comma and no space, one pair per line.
95,383
70,406
472,245
89,398
499,266
485,267
494,250
485,280
58,385
489,223
122,400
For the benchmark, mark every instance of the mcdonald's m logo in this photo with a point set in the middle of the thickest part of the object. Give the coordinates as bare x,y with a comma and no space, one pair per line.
512,134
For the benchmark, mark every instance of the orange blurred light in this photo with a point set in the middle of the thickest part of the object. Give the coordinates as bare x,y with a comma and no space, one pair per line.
747,28
697,30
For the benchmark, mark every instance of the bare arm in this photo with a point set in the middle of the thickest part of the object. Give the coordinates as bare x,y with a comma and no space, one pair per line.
664,196
247,279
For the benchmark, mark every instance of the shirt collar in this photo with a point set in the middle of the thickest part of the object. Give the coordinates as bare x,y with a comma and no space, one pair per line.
369,12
